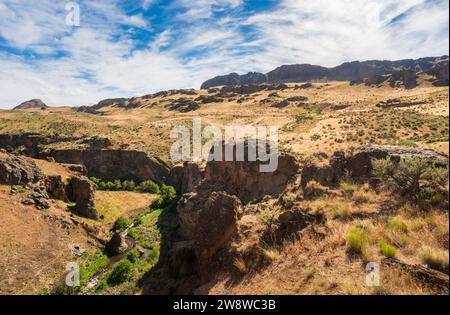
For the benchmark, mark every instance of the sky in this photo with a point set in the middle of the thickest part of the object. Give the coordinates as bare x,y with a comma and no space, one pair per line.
136,47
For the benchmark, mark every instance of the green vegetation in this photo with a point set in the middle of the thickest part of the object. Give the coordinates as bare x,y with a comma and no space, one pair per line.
148,186
121,224
410,177
268,217
387,249
168,196
122,271
397,225
357,240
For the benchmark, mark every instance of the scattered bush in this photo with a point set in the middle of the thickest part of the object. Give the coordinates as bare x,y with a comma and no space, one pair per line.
387,249
149,186
435,259
133,255
398,225
127,185
357,240
121,224
167,196
409,175
121,272
268,216
360,197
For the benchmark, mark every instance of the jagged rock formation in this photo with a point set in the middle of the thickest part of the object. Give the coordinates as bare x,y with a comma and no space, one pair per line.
95,153
31,104
398,103
18,170
55,187
440,72
349,71
81,191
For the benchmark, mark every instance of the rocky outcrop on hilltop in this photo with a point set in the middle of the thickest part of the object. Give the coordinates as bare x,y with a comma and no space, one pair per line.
235,79
440,72
31,104
297,73
81,191
349,71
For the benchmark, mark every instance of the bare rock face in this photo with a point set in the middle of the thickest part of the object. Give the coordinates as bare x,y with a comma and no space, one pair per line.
18,170
209,219
440,72
82,191
407,78
110,164
185,178
245,180
117,245
55,187
31,104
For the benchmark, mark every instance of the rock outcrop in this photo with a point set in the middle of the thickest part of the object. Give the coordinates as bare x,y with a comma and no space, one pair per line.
208,219
81,191
348,71
55,187
358,163
111,164
235,79
297,73
440,72
31,104
117,244
18,170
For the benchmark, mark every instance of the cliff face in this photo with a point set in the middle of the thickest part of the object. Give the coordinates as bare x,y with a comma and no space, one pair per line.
111,164
347,71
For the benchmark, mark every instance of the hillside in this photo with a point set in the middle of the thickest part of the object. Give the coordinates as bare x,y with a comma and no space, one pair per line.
105,172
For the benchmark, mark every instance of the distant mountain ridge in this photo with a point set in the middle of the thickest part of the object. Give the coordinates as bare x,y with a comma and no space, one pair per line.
348,71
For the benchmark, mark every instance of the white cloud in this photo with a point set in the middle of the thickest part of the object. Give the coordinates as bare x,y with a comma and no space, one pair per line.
99,60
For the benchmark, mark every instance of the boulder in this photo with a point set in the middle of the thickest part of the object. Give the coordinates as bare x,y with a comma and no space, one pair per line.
209,219
117,244
81,191
18,170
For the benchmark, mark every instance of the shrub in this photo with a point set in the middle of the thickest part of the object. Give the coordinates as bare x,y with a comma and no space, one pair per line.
407,175
133,255
398,225
121,224
240,265
121,272
387,249
348,187
149,186
167,197
360,197
268,216
341,211
435,259
357,240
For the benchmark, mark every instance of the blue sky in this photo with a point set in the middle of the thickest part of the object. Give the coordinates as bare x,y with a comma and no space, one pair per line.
131,48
